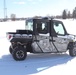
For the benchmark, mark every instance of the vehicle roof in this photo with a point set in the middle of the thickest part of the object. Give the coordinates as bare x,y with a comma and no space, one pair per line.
43,18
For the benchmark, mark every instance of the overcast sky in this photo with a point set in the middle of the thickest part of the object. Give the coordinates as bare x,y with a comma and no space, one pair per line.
29,8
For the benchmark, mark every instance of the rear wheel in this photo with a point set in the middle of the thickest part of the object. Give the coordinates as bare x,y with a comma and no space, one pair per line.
10,49
19,54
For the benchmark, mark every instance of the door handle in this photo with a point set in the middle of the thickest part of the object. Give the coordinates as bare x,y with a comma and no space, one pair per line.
52,40
36,40
64,39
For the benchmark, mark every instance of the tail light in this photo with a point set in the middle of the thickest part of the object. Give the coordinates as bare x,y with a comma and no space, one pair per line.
9,37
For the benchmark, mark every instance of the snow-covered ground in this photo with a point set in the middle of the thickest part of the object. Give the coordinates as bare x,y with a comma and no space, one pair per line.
35,64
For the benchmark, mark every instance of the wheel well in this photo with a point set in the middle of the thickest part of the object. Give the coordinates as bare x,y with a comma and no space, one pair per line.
25,45
70,45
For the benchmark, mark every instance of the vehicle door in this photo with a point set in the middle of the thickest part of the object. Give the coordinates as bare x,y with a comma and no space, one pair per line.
60,40
41,37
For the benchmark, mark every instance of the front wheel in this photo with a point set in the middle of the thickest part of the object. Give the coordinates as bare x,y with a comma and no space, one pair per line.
72,51
19,54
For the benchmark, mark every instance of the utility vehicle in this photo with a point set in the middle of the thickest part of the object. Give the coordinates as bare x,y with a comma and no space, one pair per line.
41,35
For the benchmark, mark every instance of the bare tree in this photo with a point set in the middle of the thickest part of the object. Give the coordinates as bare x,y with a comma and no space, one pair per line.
13,17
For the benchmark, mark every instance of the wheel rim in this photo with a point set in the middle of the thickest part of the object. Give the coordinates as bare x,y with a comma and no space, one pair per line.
20,54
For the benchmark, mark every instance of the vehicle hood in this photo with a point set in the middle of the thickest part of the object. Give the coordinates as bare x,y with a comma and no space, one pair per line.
72,37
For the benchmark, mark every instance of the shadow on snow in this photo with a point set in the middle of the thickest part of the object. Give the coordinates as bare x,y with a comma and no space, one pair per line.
34,63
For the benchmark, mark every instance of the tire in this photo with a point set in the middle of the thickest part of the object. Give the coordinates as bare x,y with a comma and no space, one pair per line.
19,54
72,51
10,50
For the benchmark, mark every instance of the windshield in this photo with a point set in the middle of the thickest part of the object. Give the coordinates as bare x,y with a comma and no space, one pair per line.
58,27
29,25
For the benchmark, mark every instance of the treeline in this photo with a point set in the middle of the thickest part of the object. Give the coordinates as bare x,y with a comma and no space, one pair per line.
67,14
